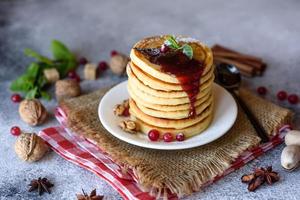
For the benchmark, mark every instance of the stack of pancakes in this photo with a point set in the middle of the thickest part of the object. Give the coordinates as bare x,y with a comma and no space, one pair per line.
157,99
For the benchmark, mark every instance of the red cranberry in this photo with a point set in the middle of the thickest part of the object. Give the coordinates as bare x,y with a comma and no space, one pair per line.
76,78
164,48
83,61
16,98
293,98
72,74
113,53
153,135
180,137
261,90
126,112
168,137
281,95
15,130
102,66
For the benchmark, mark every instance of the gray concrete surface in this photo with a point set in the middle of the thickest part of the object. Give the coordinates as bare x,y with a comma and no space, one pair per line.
269,29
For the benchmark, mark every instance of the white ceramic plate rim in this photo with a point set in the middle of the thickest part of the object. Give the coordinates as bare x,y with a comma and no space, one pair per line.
225,114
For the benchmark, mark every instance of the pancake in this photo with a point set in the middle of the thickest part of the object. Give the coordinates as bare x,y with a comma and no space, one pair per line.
201,52
170,92
166,108
132,89
158,87
188,131
176,114
169,123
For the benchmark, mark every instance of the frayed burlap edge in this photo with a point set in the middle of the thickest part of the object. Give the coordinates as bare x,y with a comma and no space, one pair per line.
225,150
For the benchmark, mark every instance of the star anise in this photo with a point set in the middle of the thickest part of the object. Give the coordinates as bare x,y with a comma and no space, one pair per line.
259,177
41,185
92,196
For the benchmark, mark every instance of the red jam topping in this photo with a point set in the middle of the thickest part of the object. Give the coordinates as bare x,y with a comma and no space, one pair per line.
187,71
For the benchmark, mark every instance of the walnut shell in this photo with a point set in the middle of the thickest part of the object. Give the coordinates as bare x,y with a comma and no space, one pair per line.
66,89
32,112
30,147
118,63
129,126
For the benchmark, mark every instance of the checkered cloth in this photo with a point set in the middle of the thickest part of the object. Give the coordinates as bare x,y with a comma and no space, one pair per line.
86,154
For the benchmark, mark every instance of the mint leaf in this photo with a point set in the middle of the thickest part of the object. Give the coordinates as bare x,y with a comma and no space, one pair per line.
32,83
42,81
60,51
22,84
31,53
33,70
187,50
45,95
172,43
32,93
66,61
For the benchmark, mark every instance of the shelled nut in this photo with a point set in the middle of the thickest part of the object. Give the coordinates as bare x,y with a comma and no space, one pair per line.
90,71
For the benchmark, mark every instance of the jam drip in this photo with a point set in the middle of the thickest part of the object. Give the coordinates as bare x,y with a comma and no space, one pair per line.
187,71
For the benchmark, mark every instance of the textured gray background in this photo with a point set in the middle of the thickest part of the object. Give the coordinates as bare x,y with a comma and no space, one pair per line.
269,29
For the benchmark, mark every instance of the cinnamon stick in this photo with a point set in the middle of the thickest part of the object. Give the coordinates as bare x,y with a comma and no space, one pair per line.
244,68
220,48
251,65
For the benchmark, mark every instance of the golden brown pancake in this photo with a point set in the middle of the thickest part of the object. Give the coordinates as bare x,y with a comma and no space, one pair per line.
177,114
201,52
157,98
169,123
159,87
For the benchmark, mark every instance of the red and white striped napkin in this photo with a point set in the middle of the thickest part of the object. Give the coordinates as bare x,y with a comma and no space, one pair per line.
86,154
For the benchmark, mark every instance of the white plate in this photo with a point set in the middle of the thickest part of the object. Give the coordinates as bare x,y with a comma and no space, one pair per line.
225,113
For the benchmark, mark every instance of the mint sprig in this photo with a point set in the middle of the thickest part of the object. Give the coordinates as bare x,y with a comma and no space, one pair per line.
172,43
33,82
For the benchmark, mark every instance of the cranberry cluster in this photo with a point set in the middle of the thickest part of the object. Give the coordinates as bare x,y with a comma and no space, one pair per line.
281,95
153,135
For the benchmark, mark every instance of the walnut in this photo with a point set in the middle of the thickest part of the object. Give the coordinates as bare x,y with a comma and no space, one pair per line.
129,126
90,71
51,75
67,89
118,63
32,112
122,109
30,147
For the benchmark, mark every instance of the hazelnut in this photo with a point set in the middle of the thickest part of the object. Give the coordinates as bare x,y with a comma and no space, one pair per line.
118,63
129,126
30,147
67,89
32,112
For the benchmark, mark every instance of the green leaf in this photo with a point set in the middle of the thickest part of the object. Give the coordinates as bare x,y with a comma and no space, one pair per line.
65,60
22,84
60,51
32,93
34,54
63,67
45,95
187,50
172,43
42,81
33,70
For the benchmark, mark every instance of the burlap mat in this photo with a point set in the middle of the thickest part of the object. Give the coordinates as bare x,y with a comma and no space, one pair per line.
182,171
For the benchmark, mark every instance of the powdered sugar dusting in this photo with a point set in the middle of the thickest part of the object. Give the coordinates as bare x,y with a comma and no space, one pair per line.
186,39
